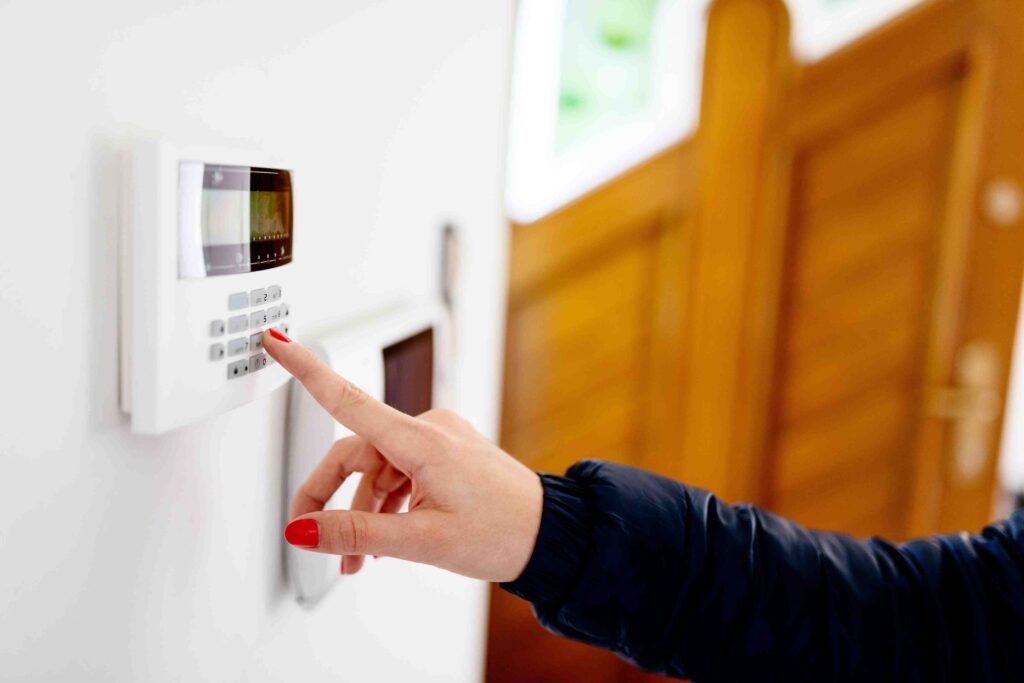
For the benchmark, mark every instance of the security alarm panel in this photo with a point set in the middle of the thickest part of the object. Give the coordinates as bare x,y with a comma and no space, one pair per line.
206,268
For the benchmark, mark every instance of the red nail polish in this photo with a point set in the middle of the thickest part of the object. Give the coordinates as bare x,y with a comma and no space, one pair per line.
278,336
303,533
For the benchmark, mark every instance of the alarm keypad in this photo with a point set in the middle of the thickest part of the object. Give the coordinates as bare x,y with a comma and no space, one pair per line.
255,322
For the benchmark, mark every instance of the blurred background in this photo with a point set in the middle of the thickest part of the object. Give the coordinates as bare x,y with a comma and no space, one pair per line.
769,248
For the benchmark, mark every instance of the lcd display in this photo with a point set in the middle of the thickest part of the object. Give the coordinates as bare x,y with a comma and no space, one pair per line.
246,219
409,373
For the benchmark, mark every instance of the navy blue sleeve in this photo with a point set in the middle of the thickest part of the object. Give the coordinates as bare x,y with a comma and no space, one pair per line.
679,583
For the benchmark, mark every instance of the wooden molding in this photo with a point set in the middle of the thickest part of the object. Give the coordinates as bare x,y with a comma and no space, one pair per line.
737,246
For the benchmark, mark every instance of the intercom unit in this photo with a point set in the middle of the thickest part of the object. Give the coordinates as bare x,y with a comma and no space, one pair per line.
206,268
399,357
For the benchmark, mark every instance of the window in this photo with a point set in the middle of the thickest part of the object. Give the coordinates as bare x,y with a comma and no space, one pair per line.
598,86
823,26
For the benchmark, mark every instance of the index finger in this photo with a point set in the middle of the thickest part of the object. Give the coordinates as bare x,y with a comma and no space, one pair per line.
391,431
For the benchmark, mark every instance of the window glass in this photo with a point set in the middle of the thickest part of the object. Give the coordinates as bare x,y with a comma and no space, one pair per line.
823,26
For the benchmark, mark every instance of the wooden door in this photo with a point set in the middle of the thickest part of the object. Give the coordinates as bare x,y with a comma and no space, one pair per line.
786,308
594,298
896,293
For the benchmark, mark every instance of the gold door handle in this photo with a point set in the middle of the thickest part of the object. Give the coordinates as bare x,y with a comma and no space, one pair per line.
973,406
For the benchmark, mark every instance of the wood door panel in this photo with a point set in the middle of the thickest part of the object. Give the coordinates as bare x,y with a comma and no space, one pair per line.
845,501
865,228
875,148
856,240
809,453
591,288
881,297
578,377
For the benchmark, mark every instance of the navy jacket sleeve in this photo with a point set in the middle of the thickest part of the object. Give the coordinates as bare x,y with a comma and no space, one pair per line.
680,583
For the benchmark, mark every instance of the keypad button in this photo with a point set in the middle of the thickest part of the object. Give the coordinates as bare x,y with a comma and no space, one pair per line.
258,297
285,310
238,323
258,319
282,328
237,301
238,346
256,341
216,351
273,293
258,362
216,328
273,314
238,368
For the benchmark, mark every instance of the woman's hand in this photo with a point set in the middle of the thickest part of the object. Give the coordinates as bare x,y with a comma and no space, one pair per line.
473,510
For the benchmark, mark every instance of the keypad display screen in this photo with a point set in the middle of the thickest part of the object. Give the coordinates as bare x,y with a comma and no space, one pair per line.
409,373
246,218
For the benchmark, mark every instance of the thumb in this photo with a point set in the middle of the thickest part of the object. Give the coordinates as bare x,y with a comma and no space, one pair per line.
406,535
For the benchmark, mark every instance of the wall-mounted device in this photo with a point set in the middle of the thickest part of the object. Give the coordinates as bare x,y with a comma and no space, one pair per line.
206,267
400,358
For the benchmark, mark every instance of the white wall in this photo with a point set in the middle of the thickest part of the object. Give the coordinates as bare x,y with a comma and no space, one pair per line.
127,558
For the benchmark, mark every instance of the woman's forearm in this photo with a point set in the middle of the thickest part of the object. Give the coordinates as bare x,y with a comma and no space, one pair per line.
680,583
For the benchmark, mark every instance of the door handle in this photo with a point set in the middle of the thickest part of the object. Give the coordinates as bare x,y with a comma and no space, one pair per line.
973,406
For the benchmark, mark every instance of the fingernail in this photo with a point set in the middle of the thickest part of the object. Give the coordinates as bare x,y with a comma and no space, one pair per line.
278,336
303,533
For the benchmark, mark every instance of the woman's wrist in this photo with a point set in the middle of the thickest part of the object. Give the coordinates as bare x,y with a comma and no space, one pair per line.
562,544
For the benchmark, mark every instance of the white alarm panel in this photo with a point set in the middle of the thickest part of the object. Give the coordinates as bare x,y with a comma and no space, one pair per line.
206,268
398,356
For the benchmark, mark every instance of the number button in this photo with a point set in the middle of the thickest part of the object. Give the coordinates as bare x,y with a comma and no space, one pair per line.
239,323
216,328
258,362
285,310
258,319
238,346
274,293
238,369
273,314
256,341
258,297
216,351
238,300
